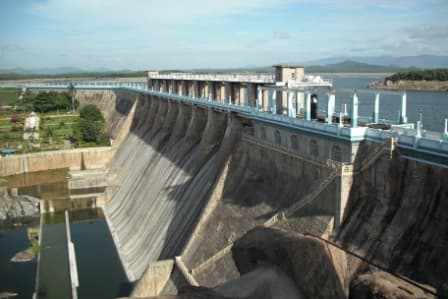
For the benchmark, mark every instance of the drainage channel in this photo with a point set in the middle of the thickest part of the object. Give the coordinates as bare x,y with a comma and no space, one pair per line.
78,258
53,269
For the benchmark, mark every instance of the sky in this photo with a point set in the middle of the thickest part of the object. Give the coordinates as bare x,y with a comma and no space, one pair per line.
179,34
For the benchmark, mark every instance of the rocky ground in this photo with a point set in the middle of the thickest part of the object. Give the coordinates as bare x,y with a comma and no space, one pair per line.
12,207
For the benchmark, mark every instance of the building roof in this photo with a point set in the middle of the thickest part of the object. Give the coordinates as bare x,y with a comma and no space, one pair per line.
293,66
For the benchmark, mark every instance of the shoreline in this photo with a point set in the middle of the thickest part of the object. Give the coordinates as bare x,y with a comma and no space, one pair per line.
348,74
435,86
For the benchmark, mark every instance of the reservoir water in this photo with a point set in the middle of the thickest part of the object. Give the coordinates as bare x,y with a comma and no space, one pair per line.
16,277
100,273
432,105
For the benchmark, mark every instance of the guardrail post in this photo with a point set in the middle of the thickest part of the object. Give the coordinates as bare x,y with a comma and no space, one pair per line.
330,108
355,111
418,134
445,131
376,109
403,117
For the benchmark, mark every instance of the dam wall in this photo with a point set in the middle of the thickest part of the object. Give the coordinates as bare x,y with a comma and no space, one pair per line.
171,158
396,215
194,180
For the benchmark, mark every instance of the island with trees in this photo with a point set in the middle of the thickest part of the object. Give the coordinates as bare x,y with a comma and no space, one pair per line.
428,79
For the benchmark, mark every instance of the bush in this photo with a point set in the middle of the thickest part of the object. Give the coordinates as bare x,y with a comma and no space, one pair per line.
15,118
90,125
35,247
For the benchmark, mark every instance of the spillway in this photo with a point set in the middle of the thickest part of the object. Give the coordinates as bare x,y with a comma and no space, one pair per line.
169,163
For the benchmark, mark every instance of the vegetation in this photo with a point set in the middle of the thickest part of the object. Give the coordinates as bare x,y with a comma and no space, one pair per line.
48,101
420,75
35,247
90,126
58,124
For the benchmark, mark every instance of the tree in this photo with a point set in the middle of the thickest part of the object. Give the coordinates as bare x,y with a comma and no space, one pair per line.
50,101
92,113
90,125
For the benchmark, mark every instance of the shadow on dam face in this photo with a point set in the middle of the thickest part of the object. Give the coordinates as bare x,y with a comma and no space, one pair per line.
406,202
168,163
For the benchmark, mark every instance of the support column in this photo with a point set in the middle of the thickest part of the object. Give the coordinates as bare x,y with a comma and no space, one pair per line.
403,117
308,106
246,96
376,109
355,111
290,94
330,108
259,98
419,129
274,101
209,90
297,102
223,92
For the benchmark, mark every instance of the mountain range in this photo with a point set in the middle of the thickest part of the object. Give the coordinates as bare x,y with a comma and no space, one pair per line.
419,61
368,64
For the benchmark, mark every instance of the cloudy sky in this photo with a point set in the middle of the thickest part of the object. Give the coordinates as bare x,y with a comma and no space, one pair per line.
149,34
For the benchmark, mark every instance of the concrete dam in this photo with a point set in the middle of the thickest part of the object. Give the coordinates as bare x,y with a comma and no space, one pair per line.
211,202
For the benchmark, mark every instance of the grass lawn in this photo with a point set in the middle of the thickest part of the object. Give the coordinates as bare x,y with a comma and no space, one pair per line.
60,125
55,127
8,96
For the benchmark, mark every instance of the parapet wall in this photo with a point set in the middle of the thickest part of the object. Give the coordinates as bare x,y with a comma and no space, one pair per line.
74,158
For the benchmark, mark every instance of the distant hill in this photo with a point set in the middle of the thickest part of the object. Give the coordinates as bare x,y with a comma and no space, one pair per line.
383,64
349,66
418,61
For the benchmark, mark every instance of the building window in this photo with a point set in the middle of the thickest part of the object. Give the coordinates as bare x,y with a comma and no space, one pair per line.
278,138
336,153
314,150
293,76
262,133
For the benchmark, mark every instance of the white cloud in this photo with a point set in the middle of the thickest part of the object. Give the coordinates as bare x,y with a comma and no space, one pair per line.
429,32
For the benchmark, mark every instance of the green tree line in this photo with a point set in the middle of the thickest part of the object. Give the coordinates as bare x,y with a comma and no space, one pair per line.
48,101
420,75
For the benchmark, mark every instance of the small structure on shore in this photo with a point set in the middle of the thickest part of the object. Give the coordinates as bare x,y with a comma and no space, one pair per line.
31,129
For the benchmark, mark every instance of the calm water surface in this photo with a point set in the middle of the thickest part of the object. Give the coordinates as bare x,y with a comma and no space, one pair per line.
99,269
432,105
